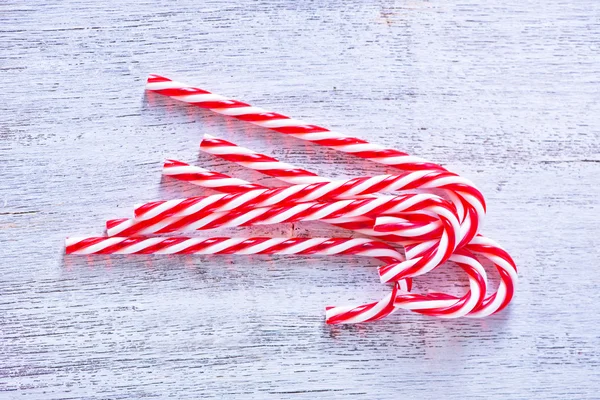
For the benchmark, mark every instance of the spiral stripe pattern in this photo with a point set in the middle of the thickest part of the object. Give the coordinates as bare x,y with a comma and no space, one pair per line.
286,125
321,191
340,211
209,179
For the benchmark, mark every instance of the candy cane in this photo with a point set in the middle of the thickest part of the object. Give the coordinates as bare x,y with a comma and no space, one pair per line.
507,269
331,190
335,211
417,253
415,266
414,229
205,178
283,171
409,229
262,163
471,211
420,227
491,304
448,306
286,125
315,211
225,245
489,249
215,180
434,304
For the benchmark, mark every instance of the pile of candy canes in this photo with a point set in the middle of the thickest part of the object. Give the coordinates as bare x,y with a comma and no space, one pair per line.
431,229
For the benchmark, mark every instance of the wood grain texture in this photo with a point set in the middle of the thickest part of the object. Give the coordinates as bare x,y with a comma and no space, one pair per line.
505,92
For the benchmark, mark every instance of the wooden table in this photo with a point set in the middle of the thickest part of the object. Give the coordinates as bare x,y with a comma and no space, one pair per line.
507,93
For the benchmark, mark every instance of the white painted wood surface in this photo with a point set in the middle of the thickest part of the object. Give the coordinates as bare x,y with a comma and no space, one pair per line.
505,92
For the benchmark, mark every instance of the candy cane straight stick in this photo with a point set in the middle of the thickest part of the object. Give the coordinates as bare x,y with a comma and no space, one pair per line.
322,191
429,227
263,163
283,171
224,245
335,211
221,182
205,178
286,125
471,212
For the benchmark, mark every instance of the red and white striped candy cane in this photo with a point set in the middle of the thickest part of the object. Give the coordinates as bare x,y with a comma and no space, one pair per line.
495,302
335,211
428,304
452,306
230,185
286,125
457,187
447,307
471,210
423,180
507,269
489,249
414,180
205,178
417,252
418,265
316,211
434,304
323,191
227,245
459,306
244,246
283,171
262,163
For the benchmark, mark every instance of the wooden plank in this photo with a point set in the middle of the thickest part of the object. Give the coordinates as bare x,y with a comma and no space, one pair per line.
503,92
